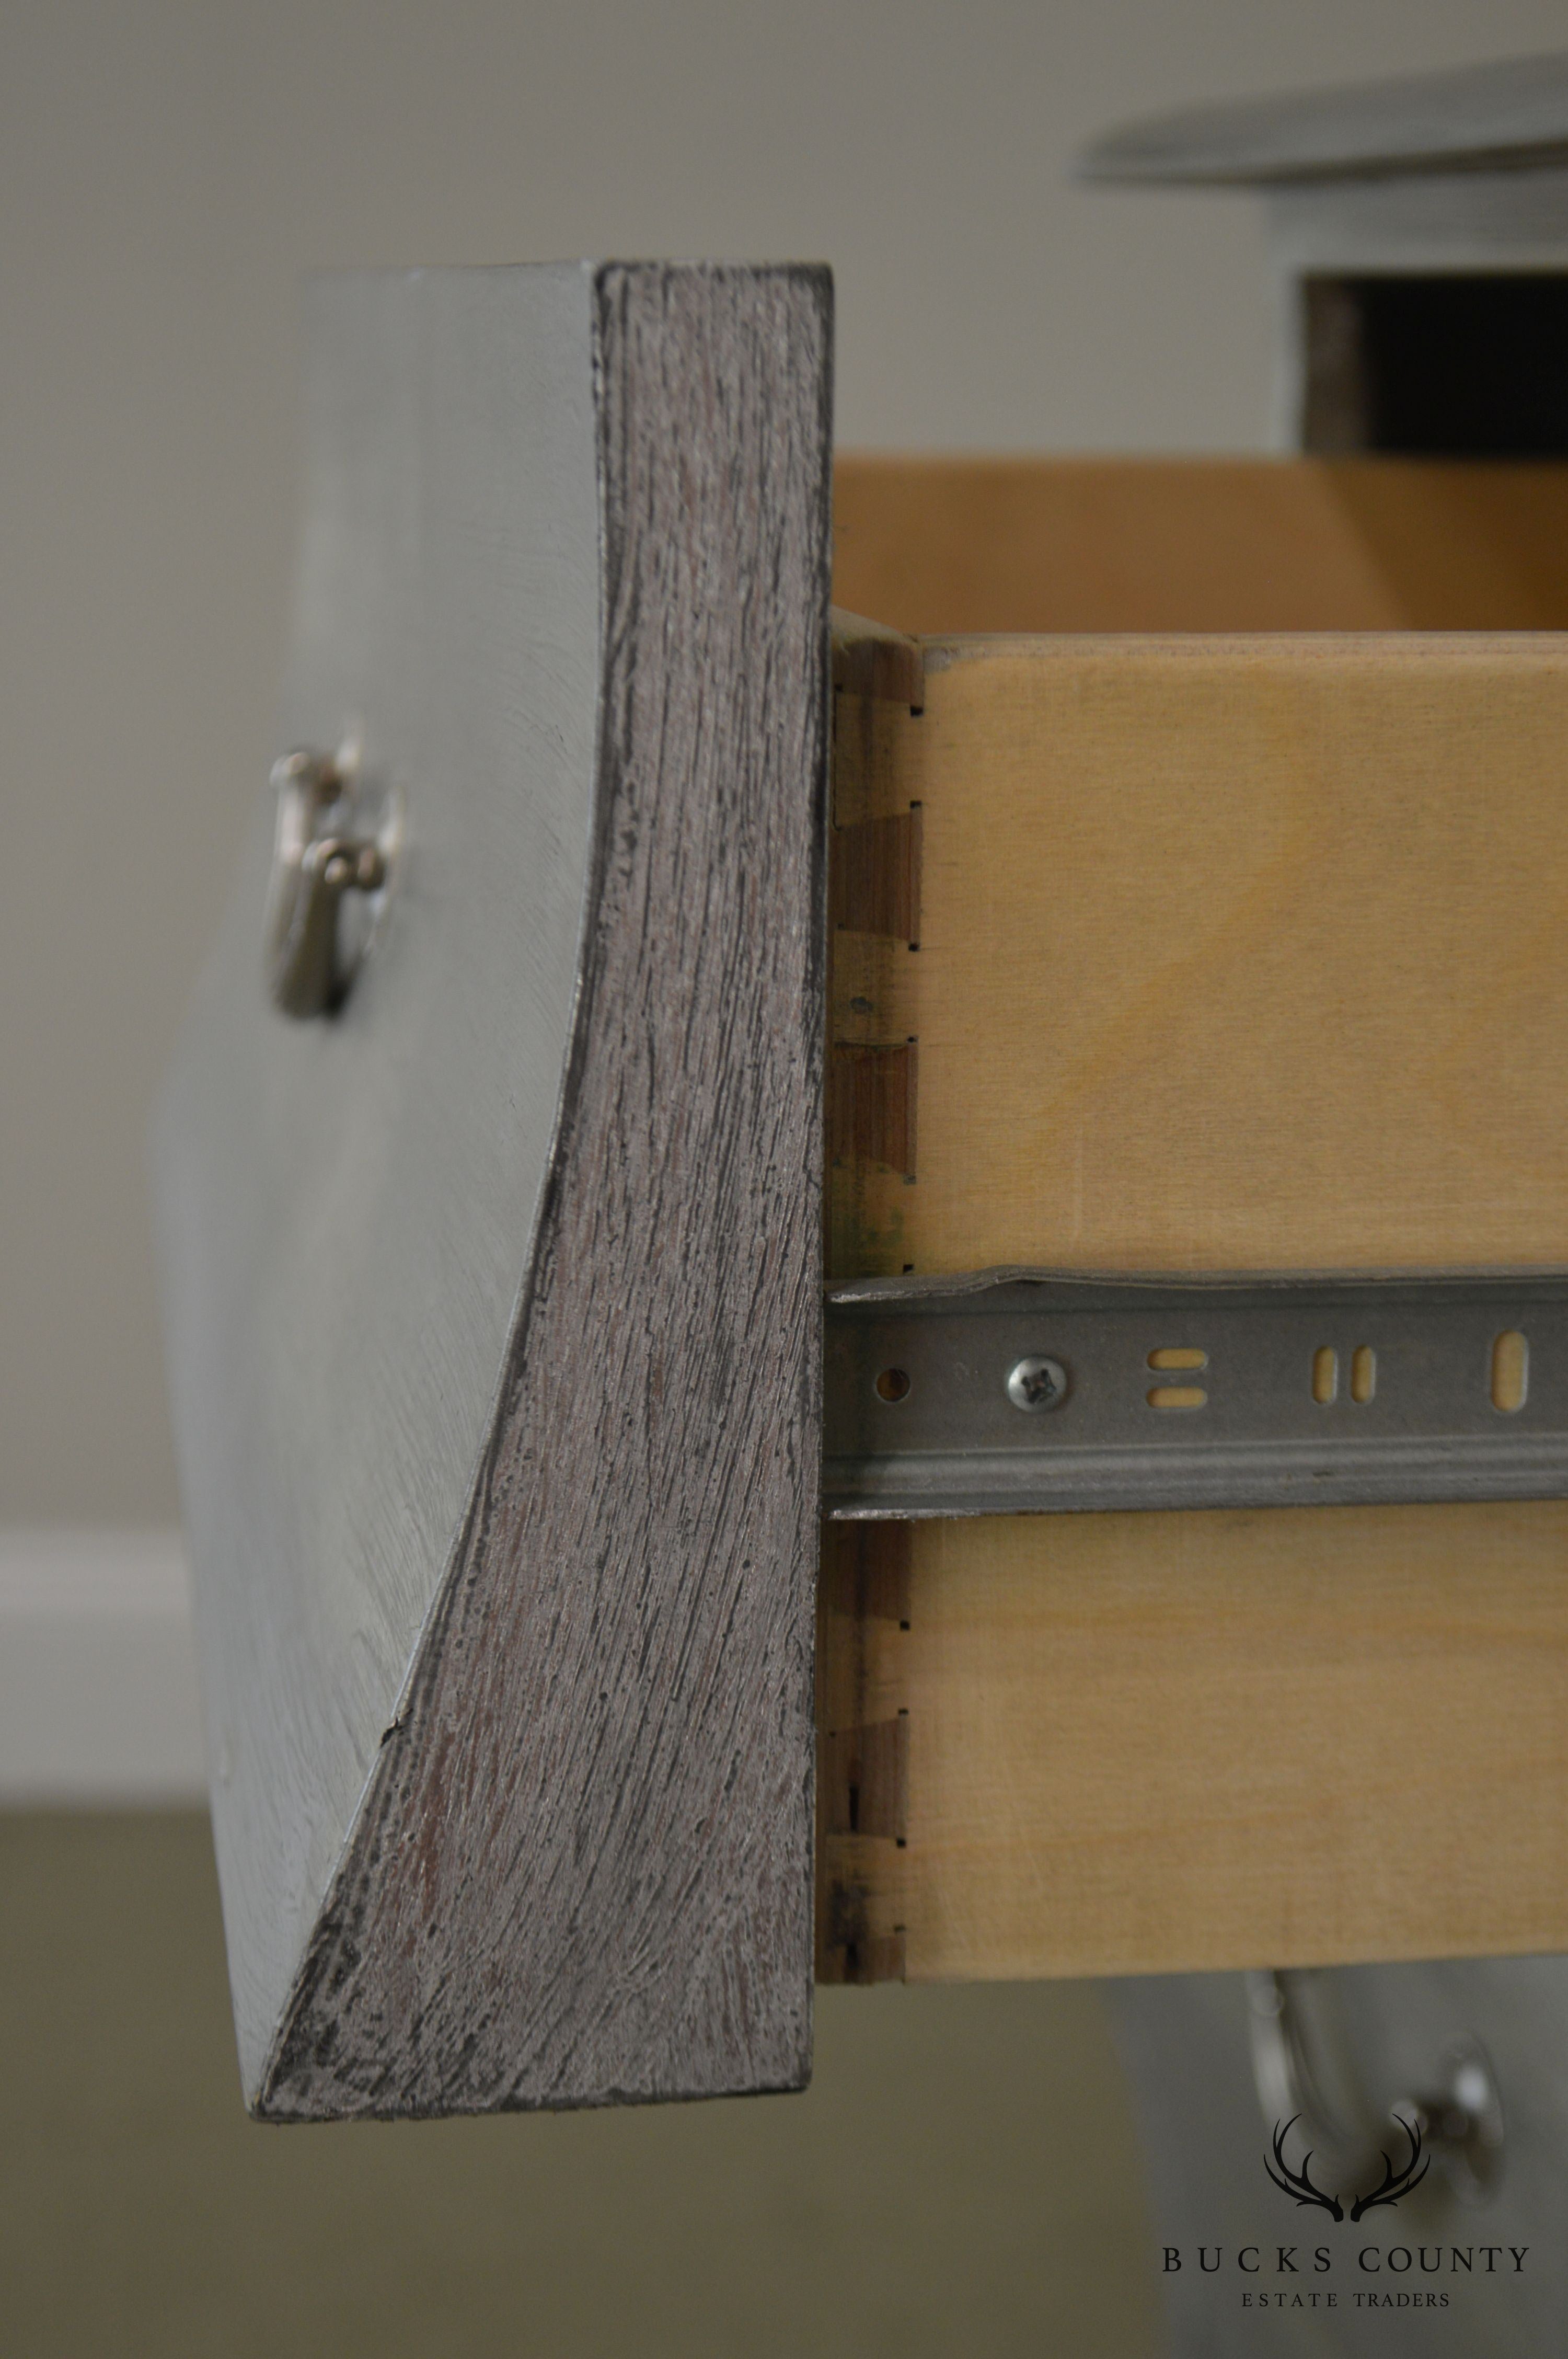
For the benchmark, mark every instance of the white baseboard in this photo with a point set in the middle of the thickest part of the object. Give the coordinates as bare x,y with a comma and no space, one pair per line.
98,1691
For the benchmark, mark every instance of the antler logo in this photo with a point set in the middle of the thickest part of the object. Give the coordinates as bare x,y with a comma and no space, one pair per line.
1396,2182
1298,2184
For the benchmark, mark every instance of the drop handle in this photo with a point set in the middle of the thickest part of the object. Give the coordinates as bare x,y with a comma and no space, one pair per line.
1305,2081
334,839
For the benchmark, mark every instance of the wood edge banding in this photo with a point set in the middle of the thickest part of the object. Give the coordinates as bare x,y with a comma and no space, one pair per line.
875,883
864,1749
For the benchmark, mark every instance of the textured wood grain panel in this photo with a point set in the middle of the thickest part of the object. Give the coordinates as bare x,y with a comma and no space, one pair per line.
580,1870
1236,953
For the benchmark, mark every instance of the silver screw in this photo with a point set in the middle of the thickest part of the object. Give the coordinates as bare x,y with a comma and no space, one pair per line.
1037,1383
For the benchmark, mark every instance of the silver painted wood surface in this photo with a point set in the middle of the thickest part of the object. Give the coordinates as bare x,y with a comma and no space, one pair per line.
1460,221
492,1302
1452,221
1456,172
1513,111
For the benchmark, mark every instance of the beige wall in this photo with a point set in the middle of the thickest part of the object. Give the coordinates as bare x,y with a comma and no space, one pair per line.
166,172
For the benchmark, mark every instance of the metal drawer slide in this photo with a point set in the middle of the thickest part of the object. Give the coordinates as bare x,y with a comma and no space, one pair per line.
1021,1390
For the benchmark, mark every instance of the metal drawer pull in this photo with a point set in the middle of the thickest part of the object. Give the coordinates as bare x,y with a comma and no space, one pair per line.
334,839
1305,2081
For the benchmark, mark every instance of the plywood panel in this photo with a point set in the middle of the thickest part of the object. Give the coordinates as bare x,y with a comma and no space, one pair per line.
1237,954
1216,1740
1242,952
945,545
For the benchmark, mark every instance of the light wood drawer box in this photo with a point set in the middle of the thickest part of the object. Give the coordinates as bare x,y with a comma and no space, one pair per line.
1240,947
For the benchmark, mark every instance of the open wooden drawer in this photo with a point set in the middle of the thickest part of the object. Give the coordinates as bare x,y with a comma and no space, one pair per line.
1232,952
495,1245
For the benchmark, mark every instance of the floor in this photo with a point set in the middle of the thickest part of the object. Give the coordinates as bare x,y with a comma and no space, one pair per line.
961,2177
